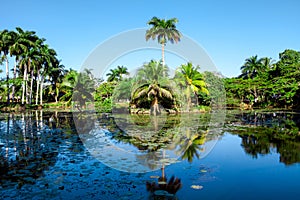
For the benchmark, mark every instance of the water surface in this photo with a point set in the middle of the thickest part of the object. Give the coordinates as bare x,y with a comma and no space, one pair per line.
255,156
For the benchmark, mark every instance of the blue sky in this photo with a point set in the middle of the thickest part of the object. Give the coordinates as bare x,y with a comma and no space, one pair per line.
230,31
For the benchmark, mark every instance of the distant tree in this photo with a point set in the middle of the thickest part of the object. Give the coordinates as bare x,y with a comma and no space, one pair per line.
117,74
164,31
251,67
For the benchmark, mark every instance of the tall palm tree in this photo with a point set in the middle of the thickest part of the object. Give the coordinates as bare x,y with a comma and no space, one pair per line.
164,31
5,43
189,77
251,67
29,50
50,62
16,50
151,86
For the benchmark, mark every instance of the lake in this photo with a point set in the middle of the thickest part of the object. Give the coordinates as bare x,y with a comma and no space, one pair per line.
221,155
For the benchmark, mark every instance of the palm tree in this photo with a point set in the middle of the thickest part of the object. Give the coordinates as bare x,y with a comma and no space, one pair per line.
163,30
28,51
5,43
251,67
151,86
266,64
122,71
16,50
78,87
117,74
68,85
50,62
189,77
112,75
56,76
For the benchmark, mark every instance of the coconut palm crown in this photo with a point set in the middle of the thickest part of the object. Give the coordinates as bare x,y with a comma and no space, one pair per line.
164,30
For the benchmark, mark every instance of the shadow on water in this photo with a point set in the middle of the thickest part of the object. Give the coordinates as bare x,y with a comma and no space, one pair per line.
263,133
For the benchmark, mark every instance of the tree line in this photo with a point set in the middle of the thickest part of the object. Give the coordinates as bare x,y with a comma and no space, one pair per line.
38,76
264,82
35,64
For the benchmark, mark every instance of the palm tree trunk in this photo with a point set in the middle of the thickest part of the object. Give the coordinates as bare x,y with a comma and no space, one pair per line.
155,107
163,56
26,93
31,86
7,78
24,83
37,87
15,76
41,90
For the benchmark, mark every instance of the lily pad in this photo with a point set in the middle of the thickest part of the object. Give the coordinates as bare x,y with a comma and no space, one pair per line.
197,187
154,176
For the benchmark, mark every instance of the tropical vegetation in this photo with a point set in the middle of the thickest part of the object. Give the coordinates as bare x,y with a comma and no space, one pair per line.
265,83
33,76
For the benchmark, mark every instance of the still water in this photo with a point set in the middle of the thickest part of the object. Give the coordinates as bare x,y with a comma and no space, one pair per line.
59,155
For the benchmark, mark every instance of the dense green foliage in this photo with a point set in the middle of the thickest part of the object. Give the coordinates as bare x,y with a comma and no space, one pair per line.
264,83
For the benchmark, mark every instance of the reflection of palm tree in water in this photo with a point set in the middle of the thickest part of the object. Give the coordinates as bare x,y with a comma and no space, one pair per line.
164,188
190,145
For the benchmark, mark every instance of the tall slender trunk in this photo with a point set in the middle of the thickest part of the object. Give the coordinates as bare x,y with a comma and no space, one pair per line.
31,86
163,56
41,90
163,53
26,93
15,76
37,87
24,83
7,78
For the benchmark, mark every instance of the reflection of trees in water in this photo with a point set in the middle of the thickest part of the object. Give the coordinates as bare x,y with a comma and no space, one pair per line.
29,144
185,134
190,144
27,149
289,152
269,131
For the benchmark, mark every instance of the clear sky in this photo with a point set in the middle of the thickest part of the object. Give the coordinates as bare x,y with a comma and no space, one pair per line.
230,31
